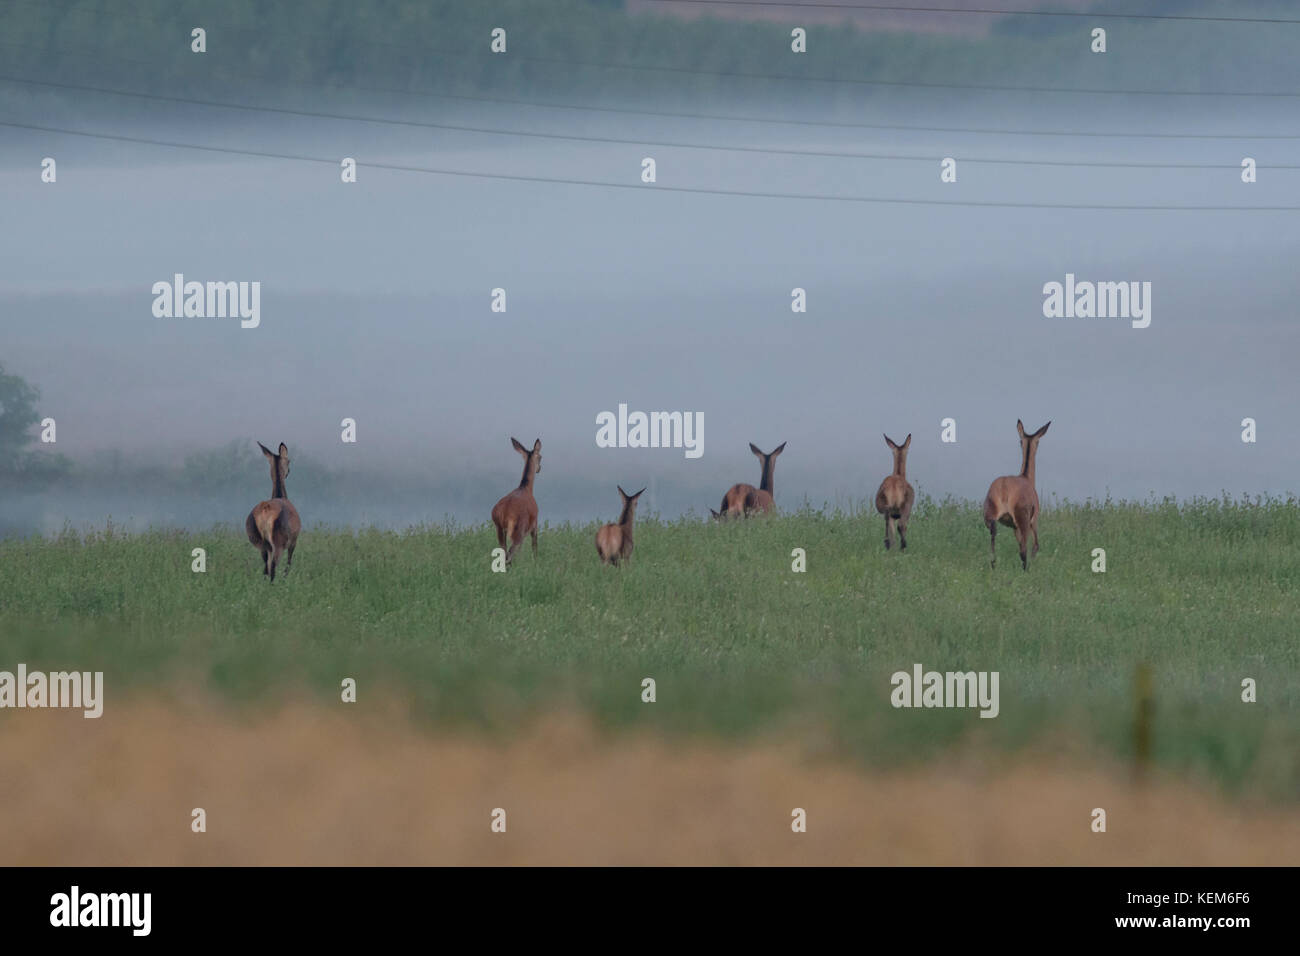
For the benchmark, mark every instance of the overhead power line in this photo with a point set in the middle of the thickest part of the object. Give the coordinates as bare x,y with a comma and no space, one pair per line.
608,140
661,188
673,114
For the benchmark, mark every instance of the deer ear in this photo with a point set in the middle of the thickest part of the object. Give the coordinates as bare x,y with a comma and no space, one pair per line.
638,494
537,445
777,450
621,491
754,449
908,440
266,451
519,446
1020,427
889,441
1042,431
284,450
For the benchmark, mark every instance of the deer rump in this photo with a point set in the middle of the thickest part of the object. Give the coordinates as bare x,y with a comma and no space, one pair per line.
610,544
515,515
892,496
738,500
272,524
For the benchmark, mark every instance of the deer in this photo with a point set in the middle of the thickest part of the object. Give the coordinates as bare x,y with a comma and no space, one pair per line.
614,541
745,499
273,525
1013,500
895,497
515,515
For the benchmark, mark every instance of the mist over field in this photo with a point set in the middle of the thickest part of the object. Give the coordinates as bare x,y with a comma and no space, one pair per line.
375,296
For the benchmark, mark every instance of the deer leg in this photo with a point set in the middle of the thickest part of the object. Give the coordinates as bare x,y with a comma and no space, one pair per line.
903,518
889,532
993,541
515,542
275,559
1033,526
1021,518
288,558
534,535
266,559
501,536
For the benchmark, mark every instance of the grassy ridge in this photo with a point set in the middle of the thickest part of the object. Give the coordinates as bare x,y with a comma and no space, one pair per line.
737,643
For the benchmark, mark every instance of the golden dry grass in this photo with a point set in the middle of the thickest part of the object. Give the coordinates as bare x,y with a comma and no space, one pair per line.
319,785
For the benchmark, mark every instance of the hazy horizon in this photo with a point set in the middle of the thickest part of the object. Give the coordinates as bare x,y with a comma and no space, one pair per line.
375,296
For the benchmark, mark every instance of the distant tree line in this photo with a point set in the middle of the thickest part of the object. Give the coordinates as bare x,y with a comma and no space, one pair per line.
307,48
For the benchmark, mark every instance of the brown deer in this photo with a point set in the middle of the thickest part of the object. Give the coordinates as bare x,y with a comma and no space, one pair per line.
1013,499
614,541
745,499
895,497
273,525
515,515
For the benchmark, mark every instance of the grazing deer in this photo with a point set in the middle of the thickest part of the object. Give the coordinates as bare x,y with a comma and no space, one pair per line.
895,497
614,541
745,499
1013,499
273,525
515,515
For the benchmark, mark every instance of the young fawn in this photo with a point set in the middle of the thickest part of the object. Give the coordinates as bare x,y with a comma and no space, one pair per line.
515,515
273,525
614,541
895,497
745,499
1013,499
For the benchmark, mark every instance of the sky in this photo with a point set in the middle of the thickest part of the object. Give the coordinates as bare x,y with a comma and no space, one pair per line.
376,296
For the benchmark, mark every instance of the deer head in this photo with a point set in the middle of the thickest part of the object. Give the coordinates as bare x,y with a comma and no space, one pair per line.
532,459
279,468
1029,447
768,462
629,505
900,454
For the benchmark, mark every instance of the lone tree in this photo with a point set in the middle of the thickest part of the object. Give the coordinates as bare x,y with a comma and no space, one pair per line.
17,416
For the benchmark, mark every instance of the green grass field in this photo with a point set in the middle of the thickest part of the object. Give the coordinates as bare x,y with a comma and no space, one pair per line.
738,644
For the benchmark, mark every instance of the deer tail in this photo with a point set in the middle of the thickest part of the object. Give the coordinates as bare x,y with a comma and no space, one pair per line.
266,524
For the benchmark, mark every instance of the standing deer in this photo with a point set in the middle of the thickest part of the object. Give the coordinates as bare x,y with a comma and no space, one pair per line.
614,541
515,515
895,497
745,499
273,525
1013,499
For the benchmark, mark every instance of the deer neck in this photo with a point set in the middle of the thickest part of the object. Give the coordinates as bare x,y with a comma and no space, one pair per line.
529,474
277,483
900,464
1027,467
625,519
765,483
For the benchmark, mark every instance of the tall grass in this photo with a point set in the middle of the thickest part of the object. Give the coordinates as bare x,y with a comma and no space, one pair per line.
737,643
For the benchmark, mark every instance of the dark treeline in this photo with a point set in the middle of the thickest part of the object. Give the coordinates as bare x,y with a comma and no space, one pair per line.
442,46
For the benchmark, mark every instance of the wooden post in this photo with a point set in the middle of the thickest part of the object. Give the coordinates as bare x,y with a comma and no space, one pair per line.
1142,693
